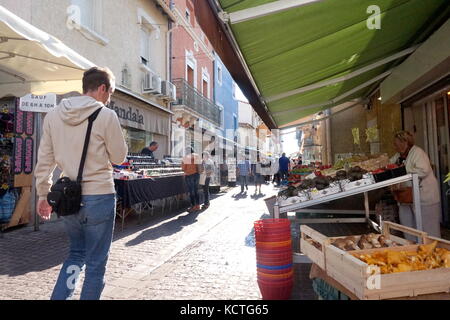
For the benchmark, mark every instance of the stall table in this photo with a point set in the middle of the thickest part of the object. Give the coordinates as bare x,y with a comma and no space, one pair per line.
144,191
318,273
300,207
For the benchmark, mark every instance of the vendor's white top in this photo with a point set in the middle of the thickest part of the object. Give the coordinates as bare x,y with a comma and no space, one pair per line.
419,163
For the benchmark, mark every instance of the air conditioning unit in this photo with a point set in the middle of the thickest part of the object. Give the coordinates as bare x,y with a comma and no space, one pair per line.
151,83
169,90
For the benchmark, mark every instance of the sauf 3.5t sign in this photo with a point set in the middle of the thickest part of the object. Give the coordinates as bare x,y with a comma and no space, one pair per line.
35,103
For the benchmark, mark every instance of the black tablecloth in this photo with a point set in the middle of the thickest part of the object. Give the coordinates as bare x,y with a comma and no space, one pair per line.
143,190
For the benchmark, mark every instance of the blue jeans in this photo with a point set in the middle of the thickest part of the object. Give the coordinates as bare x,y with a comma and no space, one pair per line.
90,233
284,174
192,184
243,180
206,191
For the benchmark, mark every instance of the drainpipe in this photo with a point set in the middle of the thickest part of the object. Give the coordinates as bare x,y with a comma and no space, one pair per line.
328,136
169,66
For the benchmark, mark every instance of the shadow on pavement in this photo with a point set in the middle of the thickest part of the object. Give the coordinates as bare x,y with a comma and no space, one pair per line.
25,251
166,229
240,195
257,196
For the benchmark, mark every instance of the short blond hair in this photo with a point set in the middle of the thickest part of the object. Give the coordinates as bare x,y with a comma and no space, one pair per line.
405,136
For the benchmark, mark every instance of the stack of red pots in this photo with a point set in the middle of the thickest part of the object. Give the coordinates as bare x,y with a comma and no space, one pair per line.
274,258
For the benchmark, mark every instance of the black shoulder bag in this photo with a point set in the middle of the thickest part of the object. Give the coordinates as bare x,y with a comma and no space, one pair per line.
65,194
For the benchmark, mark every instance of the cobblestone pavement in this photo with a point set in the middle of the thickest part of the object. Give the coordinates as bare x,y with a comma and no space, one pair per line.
206,255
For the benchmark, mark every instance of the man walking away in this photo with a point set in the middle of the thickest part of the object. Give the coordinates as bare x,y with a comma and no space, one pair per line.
190,165
285,165
90,231
243,172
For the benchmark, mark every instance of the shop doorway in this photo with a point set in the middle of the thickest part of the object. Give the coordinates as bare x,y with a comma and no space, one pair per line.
429,120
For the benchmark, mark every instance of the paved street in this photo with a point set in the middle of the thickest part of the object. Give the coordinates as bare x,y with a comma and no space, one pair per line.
207,255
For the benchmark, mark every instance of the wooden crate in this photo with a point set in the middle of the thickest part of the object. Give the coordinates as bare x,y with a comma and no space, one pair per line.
313,243
355,275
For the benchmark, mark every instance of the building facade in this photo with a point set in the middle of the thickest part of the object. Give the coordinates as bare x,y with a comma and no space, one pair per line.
225,98
131,39
192,72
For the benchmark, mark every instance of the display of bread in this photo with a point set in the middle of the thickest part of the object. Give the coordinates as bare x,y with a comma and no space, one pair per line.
425,258
366,241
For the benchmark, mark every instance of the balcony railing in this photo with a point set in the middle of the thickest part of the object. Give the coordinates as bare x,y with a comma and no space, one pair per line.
191,98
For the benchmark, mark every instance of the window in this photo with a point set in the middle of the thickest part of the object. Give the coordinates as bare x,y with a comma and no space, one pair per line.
234,90
221,115
86,15
219,75
136,139
190,76
145,46
188,16
126,77
89,14
205,90
149,31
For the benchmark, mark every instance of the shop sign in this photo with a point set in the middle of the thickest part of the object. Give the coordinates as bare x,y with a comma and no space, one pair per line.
127,113
34,103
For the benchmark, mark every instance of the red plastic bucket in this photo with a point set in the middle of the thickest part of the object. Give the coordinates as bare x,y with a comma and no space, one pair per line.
271,256
274,245
275,272
276,292
272,237
274,262
274,251
277,225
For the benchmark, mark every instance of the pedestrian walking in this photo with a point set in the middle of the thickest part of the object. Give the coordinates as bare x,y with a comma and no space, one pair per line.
257,173
285,165
208,168
191,166
243,172
63,143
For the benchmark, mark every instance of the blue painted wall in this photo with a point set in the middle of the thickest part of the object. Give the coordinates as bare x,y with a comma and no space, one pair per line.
224,96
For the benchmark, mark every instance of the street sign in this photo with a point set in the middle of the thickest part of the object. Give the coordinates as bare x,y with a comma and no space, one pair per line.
34,103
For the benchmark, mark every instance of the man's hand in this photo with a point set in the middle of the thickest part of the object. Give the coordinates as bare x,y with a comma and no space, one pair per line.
44,209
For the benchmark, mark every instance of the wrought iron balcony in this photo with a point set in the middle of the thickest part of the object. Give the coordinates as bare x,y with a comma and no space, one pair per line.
189,97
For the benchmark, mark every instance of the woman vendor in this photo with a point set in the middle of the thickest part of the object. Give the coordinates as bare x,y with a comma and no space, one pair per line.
417,161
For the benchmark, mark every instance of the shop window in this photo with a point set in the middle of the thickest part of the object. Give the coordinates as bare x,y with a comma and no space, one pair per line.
137,139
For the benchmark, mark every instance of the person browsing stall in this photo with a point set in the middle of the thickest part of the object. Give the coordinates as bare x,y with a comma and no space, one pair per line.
148,151
191,165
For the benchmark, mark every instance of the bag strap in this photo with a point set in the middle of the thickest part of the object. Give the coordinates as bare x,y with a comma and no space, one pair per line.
91,120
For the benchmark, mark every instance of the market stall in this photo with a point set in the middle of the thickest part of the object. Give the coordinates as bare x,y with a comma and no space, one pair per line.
349,177
142,180
33,64
378,265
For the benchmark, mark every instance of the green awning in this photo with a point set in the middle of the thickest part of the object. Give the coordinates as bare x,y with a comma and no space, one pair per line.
324,40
